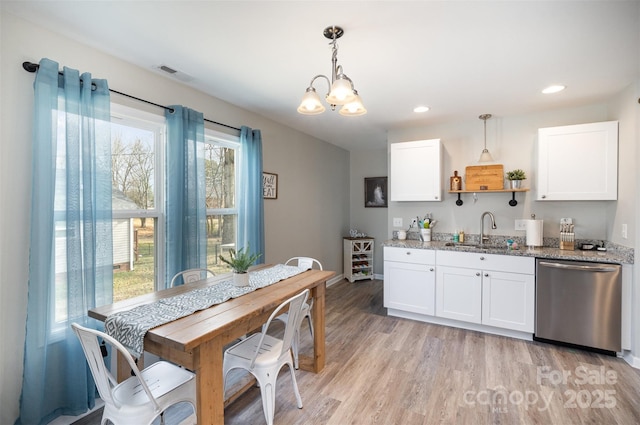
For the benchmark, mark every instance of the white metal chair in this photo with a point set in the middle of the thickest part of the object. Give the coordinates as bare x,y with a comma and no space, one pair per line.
142,397
191,275
306,263
264,355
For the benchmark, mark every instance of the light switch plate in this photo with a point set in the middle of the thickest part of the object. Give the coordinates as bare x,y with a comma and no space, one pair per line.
397,221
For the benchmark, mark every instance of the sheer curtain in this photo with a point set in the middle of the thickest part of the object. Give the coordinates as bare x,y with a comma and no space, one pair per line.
186,231
250,203
70,263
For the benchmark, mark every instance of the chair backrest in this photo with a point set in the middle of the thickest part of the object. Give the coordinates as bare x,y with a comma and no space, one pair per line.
191,275
295,304
304,262
104,380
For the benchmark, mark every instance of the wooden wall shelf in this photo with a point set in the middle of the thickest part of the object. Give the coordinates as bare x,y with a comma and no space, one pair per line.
512,202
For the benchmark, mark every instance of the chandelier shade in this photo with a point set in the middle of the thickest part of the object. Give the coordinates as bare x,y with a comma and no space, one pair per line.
353,109
341,89
311,104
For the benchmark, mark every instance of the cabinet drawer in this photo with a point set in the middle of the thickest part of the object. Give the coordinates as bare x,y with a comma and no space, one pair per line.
409,255
479,260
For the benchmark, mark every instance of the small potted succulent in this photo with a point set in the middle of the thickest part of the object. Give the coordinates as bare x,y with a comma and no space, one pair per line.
240,261
515,178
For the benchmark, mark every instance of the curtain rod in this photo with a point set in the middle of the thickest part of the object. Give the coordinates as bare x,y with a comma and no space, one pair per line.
33,67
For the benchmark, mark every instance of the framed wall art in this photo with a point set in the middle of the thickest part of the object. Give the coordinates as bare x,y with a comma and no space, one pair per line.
269,186
375,192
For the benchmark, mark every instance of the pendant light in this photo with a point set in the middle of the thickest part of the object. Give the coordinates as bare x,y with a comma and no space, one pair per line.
341,89
485,156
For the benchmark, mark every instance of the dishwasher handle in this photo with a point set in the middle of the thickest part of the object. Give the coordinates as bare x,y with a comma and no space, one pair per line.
565,266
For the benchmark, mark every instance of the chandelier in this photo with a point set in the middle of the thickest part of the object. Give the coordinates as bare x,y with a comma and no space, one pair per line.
341,90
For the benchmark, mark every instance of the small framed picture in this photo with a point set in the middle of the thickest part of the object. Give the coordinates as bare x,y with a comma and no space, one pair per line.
269,186
375,192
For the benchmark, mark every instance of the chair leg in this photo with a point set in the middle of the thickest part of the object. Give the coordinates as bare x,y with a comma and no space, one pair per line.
295,347
268,394
295,386
310,320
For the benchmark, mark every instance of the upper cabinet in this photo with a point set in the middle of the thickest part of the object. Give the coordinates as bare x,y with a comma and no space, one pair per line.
416,171
578,162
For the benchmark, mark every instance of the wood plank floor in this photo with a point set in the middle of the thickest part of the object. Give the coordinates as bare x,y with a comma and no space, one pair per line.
386,370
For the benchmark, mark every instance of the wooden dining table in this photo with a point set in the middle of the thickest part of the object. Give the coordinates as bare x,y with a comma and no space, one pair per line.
196,341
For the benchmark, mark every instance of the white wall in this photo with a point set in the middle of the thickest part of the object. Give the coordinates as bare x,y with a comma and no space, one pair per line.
309,217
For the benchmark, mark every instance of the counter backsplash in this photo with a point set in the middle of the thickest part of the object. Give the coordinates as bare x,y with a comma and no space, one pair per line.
620,250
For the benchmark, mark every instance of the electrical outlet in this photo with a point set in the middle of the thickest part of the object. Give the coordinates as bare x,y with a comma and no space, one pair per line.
566,221
397,221
521,224
624,231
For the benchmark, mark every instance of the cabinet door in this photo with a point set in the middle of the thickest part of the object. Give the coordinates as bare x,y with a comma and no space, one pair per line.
409,287
415,171
578,162
508,300
459,294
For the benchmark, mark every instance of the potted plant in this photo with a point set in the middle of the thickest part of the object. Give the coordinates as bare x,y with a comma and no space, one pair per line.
240,261
515,177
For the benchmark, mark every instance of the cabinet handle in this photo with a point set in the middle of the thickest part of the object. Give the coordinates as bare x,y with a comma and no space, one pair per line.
431,269
477,273
486,275
482,258
543,196
408,253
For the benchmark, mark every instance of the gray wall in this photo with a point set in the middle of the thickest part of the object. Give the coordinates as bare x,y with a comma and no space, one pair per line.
309,217
372,221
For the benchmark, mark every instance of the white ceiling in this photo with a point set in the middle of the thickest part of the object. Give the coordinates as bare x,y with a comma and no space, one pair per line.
461,58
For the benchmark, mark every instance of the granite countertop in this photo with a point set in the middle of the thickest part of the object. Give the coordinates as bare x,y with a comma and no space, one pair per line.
619,256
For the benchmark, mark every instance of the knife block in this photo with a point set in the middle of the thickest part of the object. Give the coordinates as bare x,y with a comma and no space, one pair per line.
567,241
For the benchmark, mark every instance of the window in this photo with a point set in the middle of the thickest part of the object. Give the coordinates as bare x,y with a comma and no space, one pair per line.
221,156
137,141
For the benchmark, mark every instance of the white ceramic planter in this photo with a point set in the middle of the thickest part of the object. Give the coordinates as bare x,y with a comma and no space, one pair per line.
241,279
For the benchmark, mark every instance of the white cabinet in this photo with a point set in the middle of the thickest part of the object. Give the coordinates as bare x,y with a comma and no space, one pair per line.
578,162
358,258
416,171
459,294
409,280
488,289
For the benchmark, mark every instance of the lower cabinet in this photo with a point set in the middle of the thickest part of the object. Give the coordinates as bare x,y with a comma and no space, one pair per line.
508,300
498,291
409,280
459,294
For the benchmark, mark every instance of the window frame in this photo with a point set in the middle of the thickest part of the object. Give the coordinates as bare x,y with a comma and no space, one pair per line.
157,124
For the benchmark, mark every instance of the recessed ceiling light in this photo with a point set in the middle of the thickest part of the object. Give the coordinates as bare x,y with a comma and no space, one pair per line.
553,89
421,109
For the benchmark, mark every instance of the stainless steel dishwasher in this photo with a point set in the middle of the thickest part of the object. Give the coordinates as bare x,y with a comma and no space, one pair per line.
579,303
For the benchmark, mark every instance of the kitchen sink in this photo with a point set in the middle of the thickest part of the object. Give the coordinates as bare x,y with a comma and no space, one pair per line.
472,246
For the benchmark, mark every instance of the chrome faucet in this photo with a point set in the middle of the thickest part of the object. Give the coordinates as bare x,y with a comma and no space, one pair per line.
493,226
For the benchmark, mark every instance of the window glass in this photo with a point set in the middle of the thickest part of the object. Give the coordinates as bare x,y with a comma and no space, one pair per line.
136,169
221,154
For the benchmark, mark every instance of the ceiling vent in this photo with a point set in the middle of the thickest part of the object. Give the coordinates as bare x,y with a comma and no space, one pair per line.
165,69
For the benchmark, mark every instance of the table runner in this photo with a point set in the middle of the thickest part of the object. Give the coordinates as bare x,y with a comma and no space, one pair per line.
129,327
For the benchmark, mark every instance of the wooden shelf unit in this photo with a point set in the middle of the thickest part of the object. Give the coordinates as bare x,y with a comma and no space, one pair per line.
358,258
512,202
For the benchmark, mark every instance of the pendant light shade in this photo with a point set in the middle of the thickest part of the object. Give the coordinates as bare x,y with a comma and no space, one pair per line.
485,156
341,89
